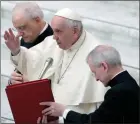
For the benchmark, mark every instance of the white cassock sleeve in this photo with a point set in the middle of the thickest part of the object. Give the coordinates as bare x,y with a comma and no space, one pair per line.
30,61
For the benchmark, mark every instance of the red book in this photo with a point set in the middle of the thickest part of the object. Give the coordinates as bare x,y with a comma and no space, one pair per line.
24,100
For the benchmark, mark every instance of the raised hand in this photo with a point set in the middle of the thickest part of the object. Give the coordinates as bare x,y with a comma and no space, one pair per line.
12,41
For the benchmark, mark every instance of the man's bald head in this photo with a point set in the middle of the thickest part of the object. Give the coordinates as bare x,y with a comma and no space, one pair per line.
105,53
104,62
27,9
27,18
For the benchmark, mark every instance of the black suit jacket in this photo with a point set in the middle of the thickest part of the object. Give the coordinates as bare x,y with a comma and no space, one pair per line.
121,104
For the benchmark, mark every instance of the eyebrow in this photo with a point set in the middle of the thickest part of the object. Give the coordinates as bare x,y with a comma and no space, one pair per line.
22,25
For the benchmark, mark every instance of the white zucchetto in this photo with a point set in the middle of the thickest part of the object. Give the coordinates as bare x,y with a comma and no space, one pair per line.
69,14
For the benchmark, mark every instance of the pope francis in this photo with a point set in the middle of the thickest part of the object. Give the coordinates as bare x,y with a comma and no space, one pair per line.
61,58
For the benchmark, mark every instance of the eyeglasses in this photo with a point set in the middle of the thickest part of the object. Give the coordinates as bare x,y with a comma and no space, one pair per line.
14,29
19,29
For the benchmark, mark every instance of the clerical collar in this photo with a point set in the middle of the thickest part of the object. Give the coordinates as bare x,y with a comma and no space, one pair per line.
119,77
45,27
78,42
117,74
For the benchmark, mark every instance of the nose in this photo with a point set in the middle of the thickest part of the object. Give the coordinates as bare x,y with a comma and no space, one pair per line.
20,33
55,37
97,79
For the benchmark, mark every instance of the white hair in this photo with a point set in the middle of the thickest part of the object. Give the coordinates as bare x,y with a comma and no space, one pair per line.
30,9
74,24
104,53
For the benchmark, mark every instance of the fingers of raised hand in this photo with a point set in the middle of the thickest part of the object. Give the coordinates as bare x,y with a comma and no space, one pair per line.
8,36
12,36
5,36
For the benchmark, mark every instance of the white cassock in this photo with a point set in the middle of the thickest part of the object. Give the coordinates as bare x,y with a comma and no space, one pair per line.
72,80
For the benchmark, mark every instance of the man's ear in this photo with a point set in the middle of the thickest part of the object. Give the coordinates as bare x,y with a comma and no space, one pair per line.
105,66
75,30
37,19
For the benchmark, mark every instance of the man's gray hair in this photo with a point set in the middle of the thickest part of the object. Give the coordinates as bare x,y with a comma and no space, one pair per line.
104,53
30,9
74,24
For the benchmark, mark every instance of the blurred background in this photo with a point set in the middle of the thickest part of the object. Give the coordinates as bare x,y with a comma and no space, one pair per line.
112,22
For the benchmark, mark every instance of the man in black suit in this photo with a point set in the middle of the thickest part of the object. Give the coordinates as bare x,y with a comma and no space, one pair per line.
121,101
28,20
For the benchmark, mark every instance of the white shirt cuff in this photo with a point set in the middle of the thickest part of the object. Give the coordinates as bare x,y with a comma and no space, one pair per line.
66,111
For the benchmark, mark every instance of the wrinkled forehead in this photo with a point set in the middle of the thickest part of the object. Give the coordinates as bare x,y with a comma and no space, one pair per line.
58,22
91,66
19,20
90,61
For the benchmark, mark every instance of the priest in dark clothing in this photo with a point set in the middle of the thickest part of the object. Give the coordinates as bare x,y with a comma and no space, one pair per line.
121,101
28,20
47,32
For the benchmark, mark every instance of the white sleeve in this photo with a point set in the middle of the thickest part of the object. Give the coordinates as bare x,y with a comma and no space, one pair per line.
65,113
20,59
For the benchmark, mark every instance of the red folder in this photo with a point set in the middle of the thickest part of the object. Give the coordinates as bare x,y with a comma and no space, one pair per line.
24,100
